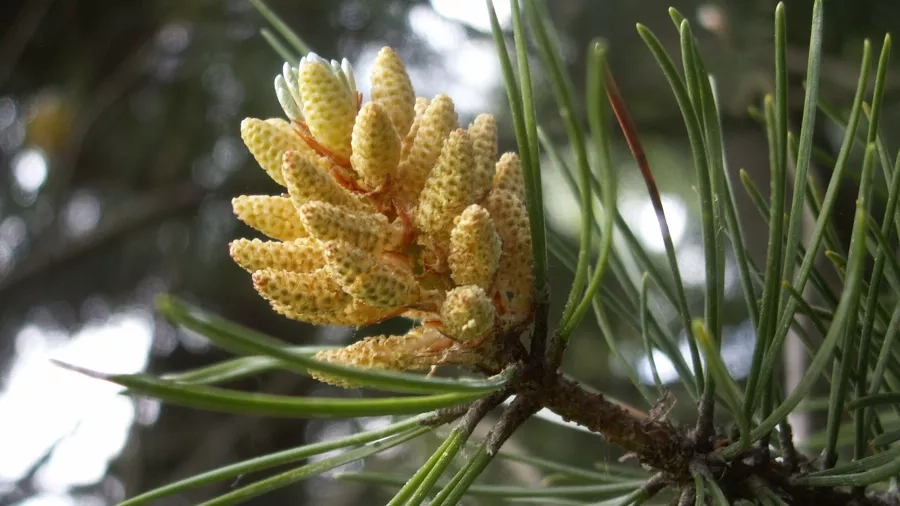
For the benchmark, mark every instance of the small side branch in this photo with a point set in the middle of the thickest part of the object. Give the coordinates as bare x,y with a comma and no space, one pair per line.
704,428
518,412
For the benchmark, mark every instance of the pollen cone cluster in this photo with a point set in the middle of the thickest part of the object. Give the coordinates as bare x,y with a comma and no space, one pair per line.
390,208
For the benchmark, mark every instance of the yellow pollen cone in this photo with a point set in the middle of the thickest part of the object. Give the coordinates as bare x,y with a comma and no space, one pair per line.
268,140
327,105
376,146
274,216
475,248
468,313
299,255
392,89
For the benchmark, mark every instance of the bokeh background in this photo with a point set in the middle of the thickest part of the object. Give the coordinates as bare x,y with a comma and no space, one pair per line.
120,152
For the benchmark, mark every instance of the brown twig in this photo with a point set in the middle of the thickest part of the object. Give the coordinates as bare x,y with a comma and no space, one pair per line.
703,430
654,440
788,452
656,443
542,342
687,496
447,415
654,485
479,409
515,415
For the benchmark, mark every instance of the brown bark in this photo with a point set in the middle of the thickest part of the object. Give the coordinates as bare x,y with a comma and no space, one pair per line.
656,442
